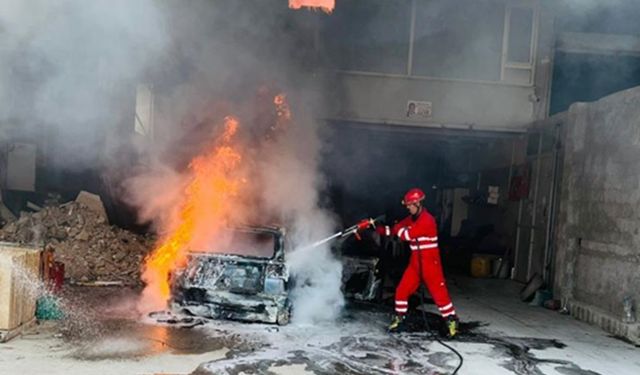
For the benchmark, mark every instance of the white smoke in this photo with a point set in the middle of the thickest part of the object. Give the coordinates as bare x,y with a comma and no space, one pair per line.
283,176
292,182
69,70
230,75
156,190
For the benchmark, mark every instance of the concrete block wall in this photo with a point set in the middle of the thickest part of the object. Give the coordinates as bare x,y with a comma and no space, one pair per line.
598,234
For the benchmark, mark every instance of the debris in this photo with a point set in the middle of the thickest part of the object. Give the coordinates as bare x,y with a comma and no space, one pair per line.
552,304
93,202
532,286
6,215
168,317
99,283
91,249
33,206
541,297
53,199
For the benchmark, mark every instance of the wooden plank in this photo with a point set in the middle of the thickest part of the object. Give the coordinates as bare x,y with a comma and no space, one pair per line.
19,279
6,335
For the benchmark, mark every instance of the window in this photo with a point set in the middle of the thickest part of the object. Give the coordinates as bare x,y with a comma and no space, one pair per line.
371,35
518,50
458,39
478,40
143,121
520,31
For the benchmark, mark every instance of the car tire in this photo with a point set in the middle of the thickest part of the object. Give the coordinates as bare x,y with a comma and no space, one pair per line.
284,316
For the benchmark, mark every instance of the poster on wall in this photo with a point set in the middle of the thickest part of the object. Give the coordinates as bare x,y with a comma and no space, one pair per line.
418,110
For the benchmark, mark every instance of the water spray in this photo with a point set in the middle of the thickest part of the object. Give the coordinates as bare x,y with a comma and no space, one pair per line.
363,224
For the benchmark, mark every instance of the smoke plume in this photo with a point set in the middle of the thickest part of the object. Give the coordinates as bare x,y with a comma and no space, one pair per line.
238,61
69,70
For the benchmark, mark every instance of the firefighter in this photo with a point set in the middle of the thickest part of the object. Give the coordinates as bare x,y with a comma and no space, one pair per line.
419,229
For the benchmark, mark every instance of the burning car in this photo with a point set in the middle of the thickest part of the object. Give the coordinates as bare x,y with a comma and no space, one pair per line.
245,278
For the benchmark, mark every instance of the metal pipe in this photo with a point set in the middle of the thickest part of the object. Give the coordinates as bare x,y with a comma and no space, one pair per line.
547,270
513,157
511,166
532,233
516,256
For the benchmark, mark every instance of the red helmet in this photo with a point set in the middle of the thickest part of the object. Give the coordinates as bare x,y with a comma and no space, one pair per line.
414,195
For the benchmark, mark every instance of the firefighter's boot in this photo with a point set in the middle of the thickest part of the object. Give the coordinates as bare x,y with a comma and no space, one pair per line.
397,324
453,326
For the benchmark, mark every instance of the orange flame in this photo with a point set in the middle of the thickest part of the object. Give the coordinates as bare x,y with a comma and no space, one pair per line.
283,113
325,5
204,208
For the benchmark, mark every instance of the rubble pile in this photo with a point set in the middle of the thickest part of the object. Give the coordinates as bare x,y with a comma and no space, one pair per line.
91,249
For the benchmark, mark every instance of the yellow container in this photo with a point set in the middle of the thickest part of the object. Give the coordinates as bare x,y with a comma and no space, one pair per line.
19,281
480,266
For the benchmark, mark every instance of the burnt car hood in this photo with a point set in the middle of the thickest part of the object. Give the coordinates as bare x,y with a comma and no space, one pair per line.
232,287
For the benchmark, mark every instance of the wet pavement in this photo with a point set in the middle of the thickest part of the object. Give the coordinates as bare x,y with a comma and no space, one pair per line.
105,334
103,323
359,345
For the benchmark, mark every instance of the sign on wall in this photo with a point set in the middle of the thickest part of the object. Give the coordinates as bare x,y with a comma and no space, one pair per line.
418,110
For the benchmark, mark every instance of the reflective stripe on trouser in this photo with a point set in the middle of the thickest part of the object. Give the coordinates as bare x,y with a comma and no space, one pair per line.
402,306
433,278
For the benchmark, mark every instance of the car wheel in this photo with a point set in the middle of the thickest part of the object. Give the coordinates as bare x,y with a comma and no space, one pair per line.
284,316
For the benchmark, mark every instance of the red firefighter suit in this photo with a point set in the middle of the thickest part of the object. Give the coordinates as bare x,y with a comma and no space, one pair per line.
420,231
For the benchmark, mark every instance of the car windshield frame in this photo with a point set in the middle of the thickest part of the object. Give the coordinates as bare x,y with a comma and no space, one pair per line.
276,235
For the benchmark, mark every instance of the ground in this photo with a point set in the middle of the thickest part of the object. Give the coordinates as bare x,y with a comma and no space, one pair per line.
500,335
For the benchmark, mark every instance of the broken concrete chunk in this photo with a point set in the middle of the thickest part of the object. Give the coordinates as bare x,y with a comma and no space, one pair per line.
93,202
91,249
58,233
82,236
33,206
10,228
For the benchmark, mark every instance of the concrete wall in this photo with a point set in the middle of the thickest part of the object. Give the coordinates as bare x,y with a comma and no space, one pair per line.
383,99
598,234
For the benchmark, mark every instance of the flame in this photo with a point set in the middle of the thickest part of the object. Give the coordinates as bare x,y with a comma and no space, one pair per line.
206,206
325,5
283,113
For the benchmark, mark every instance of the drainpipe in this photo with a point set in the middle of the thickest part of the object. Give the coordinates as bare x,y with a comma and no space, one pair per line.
516,248
532,233
513,158
516,257
511,167
550,244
